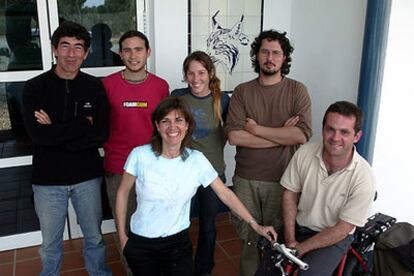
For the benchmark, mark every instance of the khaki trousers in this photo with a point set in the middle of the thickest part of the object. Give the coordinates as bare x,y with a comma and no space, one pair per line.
263,199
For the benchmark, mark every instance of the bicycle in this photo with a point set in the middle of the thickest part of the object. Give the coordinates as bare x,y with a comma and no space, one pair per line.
278,259
356,262
278,256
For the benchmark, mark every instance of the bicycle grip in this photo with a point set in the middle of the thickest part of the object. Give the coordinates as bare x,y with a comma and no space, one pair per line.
284,250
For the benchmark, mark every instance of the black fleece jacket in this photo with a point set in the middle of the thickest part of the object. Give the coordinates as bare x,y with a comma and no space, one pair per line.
66,151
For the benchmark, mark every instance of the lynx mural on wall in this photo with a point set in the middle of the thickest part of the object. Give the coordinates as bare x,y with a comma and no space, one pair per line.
225,29
223,44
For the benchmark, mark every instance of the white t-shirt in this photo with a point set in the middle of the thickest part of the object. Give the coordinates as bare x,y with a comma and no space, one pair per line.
164,189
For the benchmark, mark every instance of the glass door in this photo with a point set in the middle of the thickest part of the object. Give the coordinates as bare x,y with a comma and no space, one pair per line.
25,52
102,19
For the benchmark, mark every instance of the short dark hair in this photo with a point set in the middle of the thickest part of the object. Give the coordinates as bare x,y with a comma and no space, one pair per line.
133,33
346,109
272,35
71,29
164,107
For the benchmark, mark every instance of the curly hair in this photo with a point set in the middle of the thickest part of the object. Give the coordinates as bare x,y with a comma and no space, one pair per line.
272,35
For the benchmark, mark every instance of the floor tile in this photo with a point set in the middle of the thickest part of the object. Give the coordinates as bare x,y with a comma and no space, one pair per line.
226,268
72,245
72,260
225,232
27,253
117,269
6,257
109,238
223,217
231,247
227,254
6,269
75,272
219,255
112,253
28,268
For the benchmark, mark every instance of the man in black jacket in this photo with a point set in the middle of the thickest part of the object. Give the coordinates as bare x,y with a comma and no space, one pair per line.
66,115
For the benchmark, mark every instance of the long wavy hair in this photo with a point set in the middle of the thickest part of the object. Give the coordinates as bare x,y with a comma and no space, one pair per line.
214,81
164,107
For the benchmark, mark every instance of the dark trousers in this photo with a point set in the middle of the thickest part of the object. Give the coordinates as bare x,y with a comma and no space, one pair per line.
322,261
208,204
169,256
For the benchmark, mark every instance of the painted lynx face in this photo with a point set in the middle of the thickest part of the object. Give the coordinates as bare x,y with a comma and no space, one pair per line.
223,44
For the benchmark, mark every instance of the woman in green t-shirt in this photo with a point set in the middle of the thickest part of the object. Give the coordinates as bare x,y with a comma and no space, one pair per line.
208,105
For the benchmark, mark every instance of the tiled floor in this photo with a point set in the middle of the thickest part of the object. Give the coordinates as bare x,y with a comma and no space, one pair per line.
26,262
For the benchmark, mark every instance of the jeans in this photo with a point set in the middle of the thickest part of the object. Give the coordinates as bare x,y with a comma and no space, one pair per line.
168,256
51,205
208,206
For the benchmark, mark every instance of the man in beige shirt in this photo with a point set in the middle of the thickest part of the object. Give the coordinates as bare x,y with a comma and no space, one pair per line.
328,190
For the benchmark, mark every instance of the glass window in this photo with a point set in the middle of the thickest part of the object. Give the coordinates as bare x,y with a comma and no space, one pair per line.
17,214
106,20
19,36
14,140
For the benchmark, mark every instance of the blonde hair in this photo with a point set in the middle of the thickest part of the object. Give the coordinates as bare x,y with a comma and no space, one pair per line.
214,81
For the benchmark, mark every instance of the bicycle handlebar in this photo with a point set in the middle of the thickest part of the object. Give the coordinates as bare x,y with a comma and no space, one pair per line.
288,253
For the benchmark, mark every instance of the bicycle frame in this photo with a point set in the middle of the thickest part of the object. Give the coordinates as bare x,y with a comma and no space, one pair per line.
359,258
365,238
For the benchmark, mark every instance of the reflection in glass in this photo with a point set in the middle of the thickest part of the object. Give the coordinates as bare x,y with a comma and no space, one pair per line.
107,21
19,36
100,53
14,140
17,214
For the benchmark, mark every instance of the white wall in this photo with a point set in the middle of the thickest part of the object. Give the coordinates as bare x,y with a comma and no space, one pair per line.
277,14
392,161
328,38
327,35
170,39
168,34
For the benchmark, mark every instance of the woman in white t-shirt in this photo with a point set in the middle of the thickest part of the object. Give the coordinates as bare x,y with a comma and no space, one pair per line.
166,174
